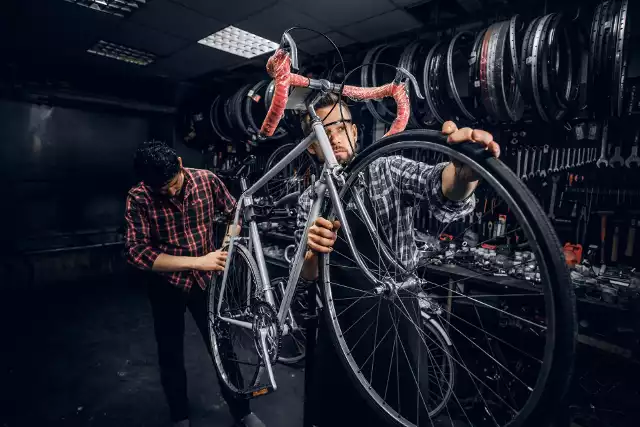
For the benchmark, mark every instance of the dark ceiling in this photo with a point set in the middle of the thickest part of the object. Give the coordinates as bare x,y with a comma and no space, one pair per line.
51,32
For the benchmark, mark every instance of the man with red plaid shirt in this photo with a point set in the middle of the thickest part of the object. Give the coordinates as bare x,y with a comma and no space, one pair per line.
170,216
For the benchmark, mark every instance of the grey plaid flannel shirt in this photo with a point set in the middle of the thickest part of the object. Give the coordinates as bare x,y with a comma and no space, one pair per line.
391,180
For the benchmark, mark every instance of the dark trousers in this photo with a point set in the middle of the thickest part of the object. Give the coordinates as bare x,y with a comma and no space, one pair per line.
168,305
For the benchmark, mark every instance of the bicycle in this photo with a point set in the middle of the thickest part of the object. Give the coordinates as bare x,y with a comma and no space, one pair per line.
246,330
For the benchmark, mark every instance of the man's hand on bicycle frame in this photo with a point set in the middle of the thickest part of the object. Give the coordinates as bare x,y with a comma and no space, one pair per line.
458,183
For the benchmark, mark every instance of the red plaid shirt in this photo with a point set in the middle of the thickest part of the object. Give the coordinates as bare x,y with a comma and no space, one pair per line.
174,226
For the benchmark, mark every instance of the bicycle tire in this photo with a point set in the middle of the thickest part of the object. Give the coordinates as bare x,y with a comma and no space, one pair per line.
559,351
214,330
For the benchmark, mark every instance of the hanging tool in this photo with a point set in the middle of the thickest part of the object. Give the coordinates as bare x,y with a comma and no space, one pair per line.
545,153
602,161
633,159
582,220
631,239
603,232
532,172
554,190
525,167
614,246
501,225
519,161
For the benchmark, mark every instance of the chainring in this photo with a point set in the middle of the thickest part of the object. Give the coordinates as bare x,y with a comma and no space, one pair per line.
264,316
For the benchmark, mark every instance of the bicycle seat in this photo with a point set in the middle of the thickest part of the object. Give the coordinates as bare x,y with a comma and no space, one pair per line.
237,172
287,200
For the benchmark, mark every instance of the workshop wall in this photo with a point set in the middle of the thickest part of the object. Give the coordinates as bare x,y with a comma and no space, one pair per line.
66,172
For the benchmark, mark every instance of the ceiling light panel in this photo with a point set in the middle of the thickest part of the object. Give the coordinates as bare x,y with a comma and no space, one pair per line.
120,8
122,53
239,42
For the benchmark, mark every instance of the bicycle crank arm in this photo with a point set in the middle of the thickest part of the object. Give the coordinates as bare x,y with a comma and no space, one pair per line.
265,357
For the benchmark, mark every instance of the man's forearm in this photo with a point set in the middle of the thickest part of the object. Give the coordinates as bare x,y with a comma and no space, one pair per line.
169,263
455,187
310,266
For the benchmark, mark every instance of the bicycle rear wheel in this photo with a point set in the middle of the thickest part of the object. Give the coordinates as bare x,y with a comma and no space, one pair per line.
512,341
234,347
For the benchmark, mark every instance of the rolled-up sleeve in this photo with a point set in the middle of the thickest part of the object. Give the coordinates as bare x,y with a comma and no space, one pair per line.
138,249
424,181
224,201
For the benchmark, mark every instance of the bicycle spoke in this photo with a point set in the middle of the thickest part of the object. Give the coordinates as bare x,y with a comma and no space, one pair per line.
460,363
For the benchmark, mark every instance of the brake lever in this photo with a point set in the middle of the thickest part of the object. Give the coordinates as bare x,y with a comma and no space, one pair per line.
411,77
287,39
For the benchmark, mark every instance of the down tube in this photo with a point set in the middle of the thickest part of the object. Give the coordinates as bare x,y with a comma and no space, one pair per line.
298,259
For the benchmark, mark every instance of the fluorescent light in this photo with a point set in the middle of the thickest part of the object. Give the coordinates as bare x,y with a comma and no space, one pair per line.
122,53
120,8
239,42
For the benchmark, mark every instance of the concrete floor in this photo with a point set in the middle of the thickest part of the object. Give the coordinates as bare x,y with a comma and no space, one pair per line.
85,355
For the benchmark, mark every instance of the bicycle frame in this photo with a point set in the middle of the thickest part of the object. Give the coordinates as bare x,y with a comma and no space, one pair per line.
326,183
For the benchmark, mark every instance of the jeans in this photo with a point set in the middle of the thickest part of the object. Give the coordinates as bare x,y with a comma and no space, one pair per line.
168,305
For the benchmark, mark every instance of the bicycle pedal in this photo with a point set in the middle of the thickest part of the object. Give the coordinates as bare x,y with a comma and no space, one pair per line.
258,391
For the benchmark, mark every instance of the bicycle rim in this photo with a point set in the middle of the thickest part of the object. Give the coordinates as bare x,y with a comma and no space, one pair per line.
234,348
294,343
512,349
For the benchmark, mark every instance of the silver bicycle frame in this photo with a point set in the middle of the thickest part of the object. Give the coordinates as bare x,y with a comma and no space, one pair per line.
325,184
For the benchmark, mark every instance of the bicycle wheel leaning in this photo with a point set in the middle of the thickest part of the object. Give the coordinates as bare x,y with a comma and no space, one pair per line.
511,342
234,347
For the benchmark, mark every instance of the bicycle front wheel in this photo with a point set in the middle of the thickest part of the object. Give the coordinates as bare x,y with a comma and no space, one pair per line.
510,339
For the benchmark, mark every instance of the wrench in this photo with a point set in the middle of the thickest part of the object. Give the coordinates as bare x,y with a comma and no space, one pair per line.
602,161
579,159
543,172
554,190
633,159
519,161
537,172
616,160
575,157
555,166
524,175
569,155
532,173
563,159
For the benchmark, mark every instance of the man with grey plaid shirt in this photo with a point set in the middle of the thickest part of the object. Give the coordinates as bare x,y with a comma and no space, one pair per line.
447,188
388,184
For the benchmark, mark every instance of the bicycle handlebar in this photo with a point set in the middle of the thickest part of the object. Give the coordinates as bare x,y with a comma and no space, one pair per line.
279,68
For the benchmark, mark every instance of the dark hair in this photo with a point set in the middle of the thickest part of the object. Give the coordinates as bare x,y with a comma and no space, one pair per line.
155,163
330,99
